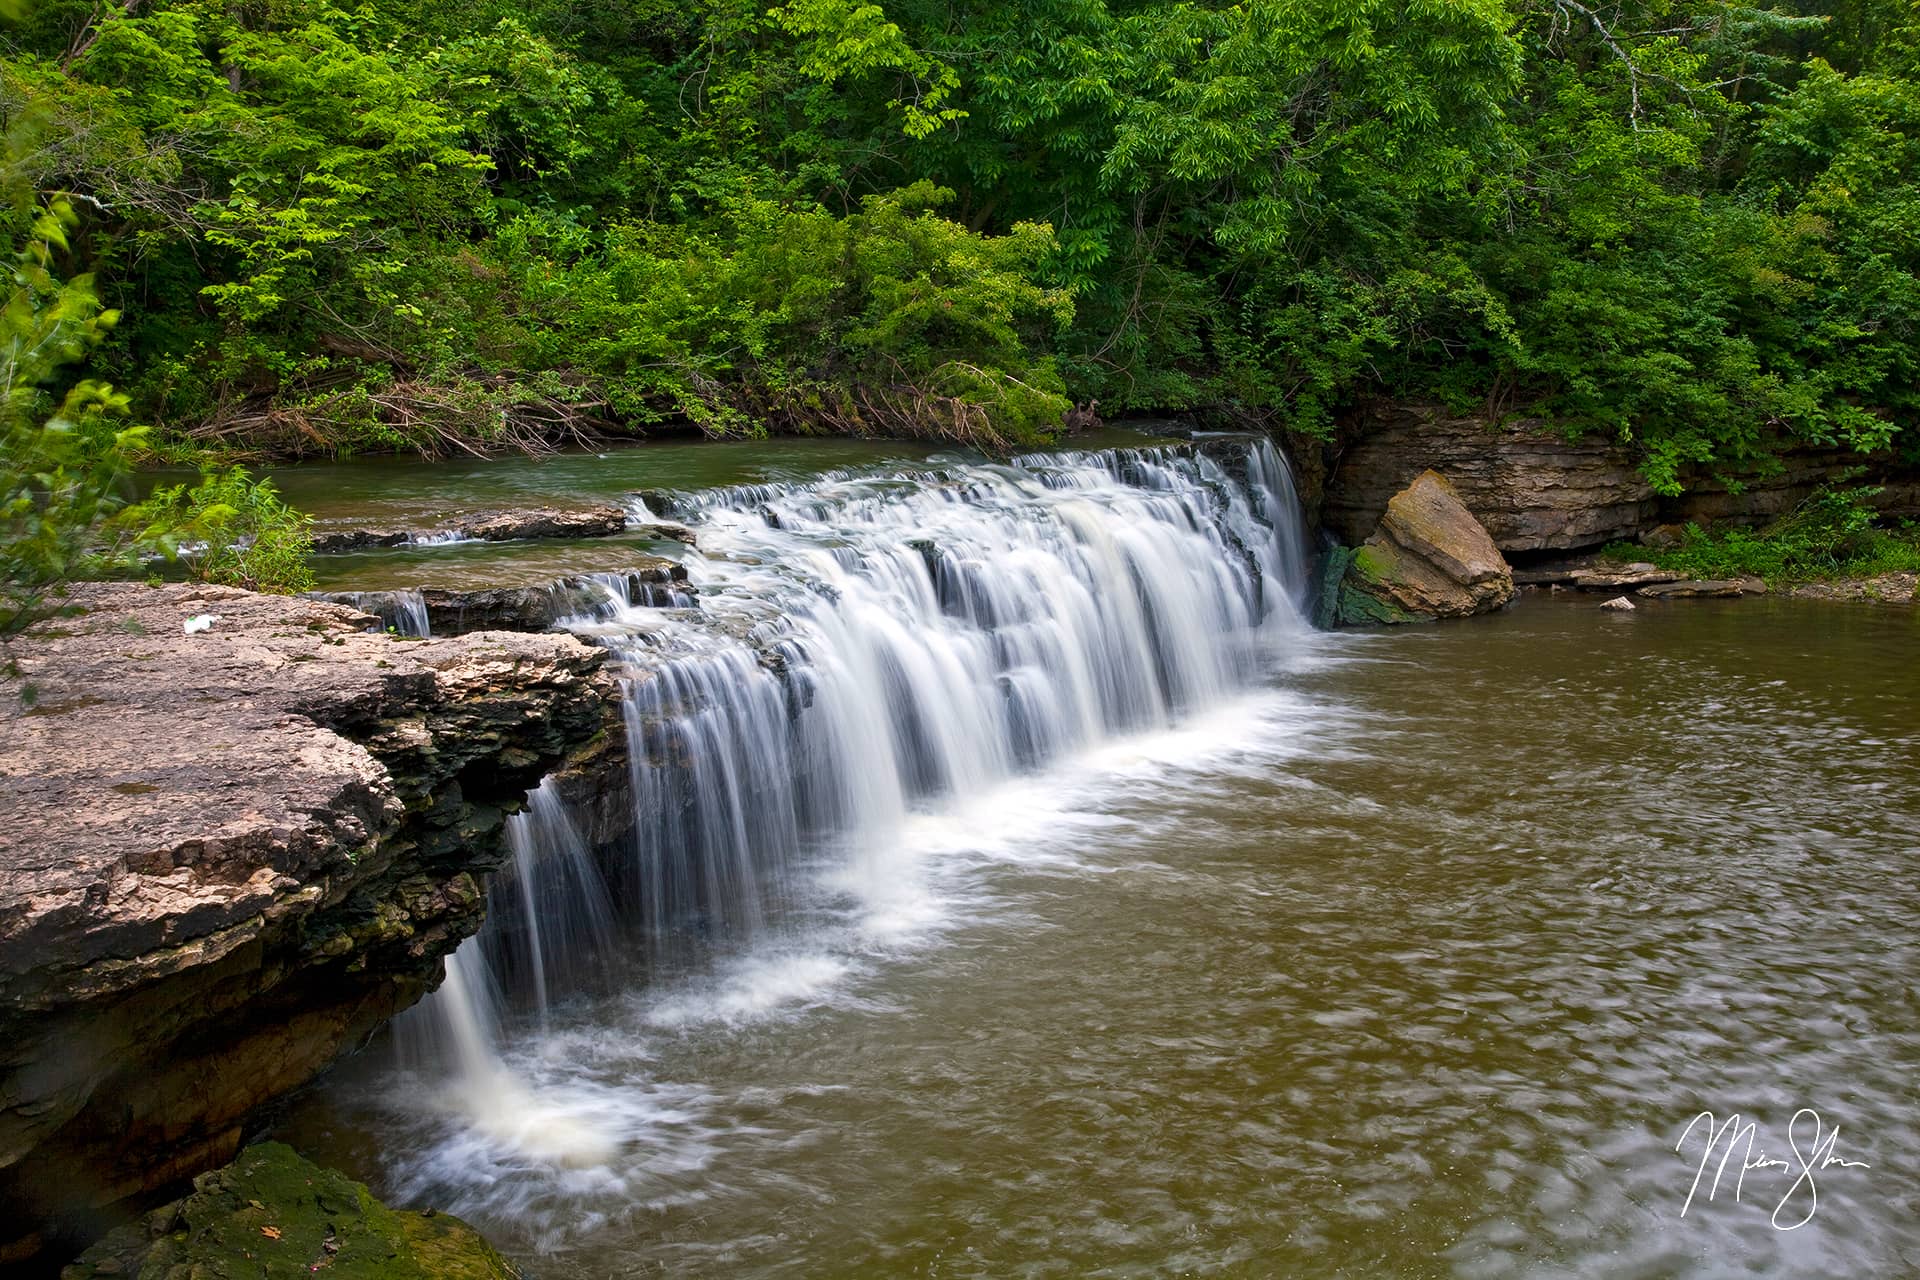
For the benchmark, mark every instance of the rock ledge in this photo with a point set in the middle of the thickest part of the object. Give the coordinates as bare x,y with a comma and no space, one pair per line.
225,857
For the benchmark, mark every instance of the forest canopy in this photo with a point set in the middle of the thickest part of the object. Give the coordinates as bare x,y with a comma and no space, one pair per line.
332,227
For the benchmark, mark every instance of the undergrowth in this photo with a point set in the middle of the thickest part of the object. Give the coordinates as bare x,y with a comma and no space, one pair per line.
1832,534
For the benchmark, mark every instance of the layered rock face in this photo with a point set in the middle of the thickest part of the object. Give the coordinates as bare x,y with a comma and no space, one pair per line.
1537,491
1429,558
225,857
1532,488
538,608
272,1215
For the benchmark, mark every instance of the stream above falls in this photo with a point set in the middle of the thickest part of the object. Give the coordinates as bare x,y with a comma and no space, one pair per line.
1400,953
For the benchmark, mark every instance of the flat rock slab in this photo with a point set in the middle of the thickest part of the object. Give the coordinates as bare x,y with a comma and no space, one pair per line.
1632,575
646,579
159,786
601,521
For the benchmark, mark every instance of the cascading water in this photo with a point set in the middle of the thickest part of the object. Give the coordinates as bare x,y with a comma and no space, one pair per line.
859,650
401,612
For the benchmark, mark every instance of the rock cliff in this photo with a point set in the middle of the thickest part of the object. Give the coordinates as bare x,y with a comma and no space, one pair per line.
1537,491
227,856
1532,488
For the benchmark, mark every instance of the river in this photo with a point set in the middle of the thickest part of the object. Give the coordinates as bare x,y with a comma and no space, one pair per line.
1405,953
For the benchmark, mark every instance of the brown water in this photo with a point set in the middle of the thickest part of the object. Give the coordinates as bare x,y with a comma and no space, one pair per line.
1418,962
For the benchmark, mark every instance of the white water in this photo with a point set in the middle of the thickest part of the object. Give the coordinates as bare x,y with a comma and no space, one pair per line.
881,672
403,612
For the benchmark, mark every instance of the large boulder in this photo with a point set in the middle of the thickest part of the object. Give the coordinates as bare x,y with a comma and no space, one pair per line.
1429,558
270,1215
225,857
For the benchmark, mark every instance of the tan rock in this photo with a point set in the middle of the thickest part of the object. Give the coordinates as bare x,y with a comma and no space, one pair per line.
1694,589
1429,558
1633,575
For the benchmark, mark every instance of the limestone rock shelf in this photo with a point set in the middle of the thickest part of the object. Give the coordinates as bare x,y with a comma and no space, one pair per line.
225,857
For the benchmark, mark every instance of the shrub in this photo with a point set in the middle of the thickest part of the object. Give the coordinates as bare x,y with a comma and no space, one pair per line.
64,463
234,530
1831,534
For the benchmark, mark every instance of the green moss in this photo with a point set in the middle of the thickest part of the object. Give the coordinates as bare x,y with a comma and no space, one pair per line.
271,1215
1326,596
1359,608
1363,597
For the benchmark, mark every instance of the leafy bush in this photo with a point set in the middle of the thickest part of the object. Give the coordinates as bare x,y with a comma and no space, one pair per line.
64,463
234,530
892,320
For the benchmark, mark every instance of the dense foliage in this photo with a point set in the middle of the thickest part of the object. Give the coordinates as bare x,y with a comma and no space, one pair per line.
67,497
63,463
392,224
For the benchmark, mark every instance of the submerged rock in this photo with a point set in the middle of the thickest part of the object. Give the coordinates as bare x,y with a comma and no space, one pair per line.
1613,579
271,1215
1429,558
1619,604
493,526
1693,590
226,857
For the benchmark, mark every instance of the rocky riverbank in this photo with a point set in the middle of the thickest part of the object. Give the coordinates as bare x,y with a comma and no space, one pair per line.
1426,508
1539,491
227,856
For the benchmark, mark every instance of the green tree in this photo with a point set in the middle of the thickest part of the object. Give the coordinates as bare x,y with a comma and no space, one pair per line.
64,459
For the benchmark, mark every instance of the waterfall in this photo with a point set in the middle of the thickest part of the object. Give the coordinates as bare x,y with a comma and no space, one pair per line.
858,649
402,612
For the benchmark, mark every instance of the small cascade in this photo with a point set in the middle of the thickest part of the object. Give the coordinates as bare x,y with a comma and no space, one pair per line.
409,616
551,922
863,648
456,1034
402,612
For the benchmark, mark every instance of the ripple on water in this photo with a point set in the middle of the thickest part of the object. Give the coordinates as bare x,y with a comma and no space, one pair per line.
1416,964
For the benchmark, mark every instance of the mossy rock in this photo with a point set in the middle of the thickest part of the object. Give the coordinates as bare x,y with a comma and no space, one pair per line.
1361,595
1330,569
271,1215
1429,558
